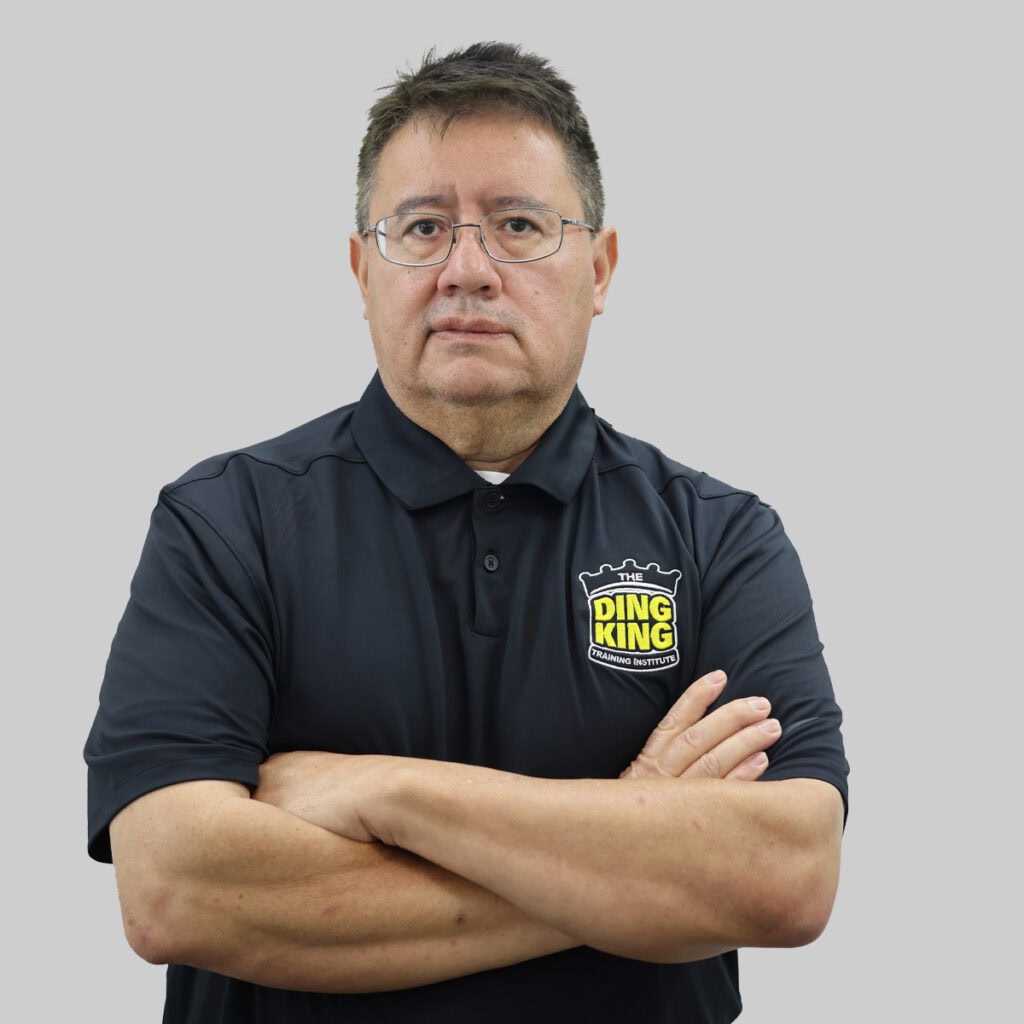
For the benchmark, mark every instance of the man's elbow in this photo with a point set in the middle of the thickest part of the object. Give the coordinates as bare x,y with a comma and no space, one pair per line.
798,889
801,907
158,911
776,916
800,925
147,941
150,927
786,908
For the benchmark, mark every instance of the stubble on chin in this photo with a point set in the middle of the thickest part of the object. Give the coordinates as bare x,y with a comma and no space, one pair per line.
464,385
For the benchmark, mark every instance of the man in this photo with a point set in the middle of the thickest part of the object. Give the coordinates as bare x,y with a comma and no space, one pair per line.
398,723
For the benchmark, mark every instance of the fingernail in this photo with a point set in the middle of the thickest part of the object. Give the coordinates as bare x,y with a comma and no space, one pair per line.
759,703
715,678
771,726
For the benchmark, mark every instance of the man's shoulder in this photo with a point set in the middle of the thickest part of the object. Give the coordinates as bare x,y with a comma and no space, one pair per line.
291,454
617,451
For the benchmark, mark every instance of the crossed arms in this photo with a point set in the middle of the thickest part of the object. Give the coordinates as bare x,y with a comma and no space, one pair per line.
364,873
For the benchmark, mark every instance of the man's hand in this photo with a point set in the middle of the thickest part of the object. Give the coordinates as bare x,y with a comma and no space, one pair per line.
727,744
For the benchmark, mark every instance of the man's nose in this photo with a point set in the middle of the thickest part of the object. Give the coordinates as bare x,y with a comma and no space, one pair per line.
468,266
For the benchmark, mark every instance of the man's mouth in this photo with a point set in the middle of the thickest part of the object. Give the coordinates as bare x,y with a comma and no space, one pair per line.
468,325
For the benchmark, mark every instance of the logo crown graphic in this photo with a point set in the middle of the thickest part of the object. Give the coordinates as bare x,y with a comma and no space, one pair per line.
646,578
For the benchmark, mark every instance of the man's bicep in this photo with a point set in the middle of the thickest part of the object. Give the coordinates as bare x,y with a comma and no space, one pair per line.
177,810
815,809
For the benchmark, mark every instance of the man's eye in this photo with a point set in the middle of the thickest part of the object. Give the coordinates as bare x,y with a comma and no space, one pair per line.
518,226
424,229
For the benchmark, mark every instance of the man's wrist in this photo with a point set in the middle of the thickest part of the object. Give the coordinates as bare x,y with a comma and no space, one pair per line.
392,795
412,795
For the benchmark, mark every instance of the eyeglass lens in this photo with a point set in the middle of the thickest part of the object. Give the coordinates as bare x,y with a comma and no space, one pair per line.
516,236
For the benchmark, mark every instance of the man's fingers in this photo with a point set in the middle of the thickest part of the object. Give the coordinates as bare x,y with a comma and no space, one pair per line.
751,769
731,759
718,730
691,742
689,709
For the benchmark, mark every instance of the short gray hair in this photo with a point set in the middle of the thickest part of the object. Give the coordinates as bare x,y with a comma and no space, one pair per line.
482,78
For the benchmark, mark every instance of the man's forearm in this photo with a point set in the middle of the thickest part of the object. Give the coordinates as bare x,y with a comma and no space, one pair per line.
213,879
657,869
679,859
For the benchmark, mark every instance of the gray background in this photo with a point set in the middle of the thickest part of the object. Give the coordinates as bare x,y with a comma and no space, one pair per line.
819,290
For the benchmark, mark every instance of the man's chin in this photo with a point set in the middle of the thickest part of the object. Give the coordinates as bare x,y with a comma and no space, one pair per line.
476,398
477,389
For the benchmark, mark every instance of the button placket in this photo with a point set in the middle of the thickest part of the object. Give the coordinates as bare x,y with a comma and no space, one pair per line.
490,528
493,498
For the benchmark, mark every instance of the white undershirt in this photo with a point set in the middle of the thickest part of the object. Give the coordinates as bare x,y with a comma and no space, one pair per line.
492,476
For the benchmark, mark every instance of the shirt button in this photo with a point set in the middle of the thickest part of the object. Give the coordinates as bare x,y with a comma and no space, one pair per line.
491,562
492,499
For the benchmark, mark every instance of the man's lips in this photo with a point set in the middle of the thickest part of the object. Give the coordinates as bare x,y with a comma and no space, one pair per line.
467,325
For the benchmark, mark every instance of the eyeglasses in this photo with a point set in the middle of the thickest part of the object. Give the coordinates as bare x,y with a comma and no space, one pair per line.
508,236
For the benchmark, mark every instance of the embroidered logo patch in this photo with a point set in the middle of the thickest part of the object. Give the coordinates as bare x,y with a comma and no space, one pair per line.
632,616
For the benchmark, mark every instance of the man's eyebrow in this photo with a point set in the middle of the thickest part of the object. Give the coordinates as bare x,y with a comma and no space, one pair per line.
433,200
518,202
417,203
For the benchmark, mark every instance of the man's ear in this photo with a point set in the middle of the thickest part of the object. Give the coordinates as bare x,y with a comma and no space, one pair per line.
606,255
359,259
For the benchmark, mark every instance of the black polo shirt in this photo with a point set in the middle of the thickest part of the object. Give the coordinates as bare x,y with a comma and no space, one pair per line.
353,586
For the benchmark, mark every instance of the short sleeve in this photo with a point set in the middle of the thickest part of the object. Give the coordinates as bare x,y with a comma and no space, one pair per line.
188,688
758,626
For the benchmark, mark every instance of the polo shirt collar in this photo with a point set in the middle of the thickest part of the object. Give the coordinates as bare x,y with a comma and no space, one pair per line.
420,470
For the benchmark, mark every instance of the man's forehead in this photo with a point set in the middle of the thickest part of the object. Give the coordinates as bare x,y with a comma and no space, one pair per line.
492,161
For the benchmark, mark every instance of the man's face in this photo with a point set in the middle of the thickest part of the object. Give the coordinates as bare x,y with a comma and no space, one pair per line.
472,331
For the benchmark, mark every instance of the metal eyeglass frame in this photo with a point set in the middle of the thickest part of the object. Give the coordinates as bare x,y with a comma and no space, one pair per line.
480,232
